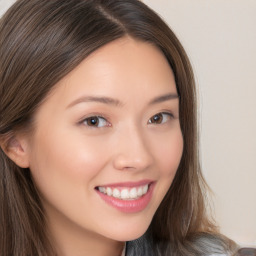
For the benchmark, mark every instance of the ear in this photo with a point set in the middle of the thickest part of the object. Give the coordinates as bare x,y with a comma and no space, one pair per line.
16,148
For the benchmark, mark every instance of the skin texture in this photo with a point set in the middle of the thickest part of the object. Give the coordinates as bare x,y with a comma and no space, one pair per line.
68,157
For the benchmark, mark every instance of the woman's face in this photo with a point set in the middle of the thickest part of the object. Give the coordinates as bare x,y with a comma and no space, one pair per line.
109,129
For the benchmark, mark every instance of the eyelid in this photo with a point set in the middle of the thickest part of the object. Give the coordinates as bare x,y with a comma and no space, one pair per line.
93,114
170,115
85,119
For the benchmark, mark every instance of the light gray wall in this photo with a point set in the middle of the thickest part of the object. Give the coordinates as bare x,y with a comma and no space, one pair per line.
4,5
220,38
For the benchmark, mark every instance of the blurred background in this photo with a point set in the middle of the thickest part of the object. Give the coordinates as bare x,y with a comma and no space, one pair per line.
220,39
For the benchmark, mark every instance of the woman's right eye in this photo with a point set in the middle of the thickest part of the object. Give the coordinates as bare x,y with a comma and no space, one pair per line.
96,121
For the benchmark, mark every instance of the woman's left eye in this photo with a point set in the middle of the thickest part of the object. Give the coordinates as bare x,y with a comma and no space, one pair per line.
160,118
96,121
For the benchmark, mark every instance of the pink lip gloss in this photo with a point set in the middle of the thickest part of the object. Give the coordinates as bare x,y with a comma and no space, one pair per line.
129,206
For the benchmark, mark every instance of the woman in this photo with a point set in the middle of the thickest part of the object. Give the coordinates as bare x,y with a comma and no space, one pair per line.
98,134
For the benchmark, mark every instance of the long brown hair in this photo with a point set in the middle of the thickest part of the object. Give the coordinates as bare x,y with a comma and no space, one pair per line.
42,41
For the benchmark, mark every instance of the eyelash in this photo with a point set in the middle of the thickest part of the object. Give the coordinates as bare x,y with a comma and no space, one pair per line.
170,116
95,119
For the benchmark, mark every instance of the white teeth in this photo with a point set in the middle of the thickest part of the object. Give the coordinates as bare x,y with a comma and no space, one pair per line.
102,189
145,189
116,193
133,193
126,193
140,192
109,191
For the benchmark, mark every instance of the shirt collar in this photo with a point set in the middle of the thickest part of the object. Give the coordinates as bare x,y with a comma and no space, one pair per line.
123,252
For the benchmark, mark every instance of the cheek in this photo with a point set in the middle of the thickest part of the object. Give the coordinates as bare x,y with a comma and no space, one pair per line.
68,154
168,151
64,167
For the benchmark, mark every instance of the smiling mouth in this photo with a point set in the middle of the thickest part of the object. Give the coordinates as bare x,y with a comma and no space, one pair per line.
128,193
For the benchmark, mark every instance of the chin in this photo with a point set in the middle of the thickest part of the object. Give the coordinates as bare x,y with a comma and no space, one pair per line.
128,232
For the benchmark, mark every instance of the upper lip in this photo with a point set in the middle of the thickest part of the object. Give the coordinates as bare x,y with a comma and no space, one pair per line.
128,184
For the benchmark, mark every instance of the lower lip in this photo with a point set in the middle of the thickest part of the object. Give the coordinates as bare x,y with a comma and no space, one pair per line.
129,206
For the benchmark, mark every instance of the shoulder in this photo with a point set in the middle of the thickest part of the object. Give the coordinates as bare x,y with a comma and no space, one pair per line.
201,245
211,244
219,254
139,247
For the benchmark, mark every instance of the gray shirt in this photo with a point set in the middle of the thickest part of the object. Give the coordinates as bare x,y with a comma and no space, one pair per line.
142,247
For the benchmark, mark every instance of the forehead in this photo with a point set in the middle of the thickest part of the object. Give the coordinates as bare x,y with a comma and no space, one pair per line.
124,68
124,57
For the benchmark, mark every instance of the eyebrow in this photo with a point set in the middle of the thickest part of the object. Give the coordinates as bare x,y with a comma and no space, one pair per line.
116,102
166,97
104,100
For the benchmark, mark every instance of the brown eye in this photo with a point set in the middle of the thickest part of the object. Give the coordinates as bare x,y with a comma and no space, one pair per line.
96,121
160,118
93,121
156,119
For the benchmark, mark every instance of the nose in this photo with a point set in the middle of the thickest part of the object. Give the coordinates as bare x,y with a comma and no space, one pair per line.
132,151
